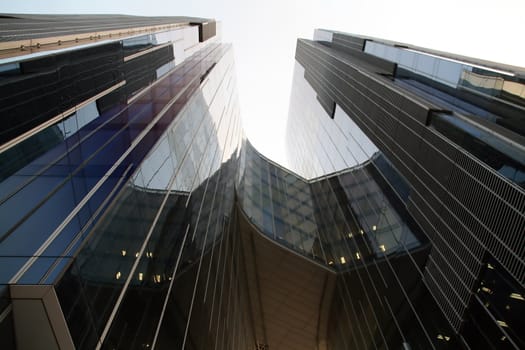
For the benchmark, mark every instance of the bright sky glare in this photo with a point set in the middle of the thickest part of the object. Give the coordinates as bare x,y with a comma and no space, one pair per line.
264,34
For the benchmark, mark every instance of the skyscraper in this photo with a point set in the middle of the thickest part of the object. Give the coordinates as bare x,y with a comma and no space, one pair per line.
135,215
120,141
443,137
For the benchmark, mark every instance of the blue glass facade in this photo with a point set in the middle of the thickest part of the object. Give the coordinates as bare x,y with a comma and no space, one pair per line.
121,197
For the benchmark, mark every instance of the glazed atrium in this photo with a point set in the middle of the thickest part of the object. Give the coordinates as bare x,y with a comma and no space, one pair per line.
135,214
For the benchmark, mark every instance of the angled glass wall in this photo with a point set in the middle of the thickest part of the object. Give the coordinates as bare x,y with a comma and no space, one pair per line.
125,203
438,140
135,215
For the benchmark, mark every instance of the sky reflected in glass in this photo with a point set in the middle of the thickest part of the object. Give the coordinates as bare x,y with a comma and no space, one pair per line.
264,36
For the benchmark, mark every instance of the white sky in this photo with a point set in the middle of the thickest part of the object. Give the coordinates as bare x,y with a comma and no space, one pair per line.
264,33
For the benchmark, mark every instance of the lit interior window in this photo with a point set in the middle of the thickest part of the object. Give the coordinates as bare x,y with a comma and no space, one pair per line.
123,252
343,260
350,235
517,296
443,337
486,290
502,323
117,275
136,254
374,227
358,256
362,232
141,276
382,247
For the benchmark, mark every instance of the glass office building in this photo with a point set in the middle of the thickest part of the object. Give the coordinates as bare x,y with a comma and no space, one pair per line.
440,138
119,149
134,214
